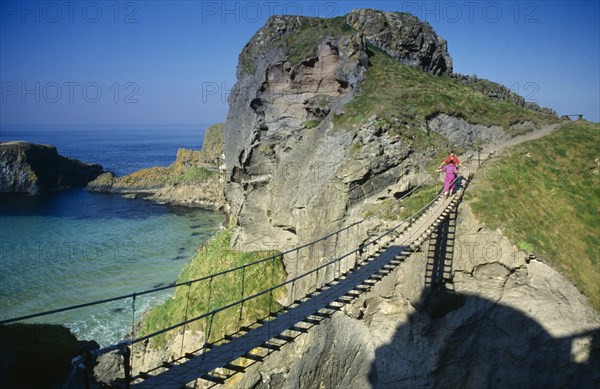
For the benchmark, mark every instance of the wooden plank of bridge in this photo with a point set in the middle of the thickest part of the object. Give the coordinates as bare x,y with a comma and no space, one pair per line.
224,353
220,355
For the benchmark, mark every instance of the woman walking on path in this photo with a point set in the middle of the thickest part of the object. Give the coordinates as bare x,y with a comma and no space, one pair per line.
451,173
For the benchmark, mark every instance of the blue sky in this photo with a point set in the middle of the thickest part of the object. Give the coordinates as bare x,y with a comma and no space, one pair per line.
158,62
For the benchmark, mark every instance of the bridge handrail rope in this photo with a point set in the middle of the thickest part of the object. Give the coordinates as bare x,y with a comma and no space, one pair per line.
174,285
407,223
123,347
215,311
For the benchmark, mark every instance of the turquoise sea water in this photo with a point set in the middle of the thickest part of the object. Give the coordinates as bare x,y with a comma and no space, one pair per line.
73,246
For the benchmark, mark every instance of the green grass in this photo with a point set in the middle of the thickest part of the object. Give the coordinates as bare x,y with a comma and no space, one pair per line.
392,89
302,42
545,196
311,123
419,199
204,296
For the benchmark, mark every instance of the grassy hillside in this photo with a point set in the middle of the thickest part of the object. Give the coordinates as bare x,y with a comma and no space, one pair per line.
545,196
394,89
201,297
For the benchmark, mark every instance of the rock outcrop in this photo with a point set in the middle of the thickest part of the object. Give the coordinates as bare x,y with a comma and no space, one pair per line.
463,134
193,179
294,76
272,139
34,169
502,93
405,38
50,348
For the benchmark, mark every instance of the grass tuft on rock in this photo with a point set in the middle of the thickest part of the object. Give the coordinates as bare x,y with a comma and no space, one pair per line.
204,296
396,210
302,42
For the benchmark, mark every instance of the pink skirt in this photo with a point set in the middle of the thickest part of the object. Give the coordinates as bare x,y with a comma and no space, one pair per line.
449,182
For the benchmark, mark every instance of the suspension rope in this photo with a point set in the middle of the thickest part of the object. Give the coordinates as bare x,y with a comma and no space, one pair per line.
175,285
210,315
270,290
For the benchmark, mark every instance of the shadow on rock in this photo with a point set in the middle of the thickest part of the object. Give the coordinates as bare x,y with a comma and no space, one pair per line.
463,341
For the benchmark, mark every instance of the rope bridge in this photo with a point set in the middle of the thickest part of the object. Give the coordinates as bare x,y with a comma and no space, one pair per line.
328,287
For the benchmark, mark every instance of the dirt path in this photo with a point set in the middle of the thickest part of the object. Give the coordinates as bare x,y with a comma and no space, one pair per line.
471,159
545,130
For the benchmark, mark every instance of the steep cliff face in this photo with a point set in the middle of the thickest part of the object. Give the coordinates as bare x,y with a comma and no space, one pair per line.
272,138
32,168
292,175
300,161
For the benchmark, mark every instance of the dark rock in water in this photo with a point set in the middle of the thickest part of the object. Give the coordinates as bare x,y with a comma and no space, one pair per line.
36,355
181,249
177,258
87,345
118,310
196,226
196,233
32,168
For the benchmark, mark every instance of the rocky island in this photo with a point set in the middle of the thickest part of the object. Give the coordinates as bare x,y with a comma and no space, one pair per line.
34,169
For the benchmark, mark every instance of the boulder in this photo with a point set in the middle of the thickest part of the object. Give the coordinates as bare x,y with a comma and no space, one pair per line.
404,37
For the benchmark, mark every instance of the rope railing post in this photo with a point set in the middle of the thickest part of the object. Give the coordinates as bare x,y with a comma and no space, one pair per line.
187,305
210,324
240,321
208,309
272,285
293,296
133,298
338,273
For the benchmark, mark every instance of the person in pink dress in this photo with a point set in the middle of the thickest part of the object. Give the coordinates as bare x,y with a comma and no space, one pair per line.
451,173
